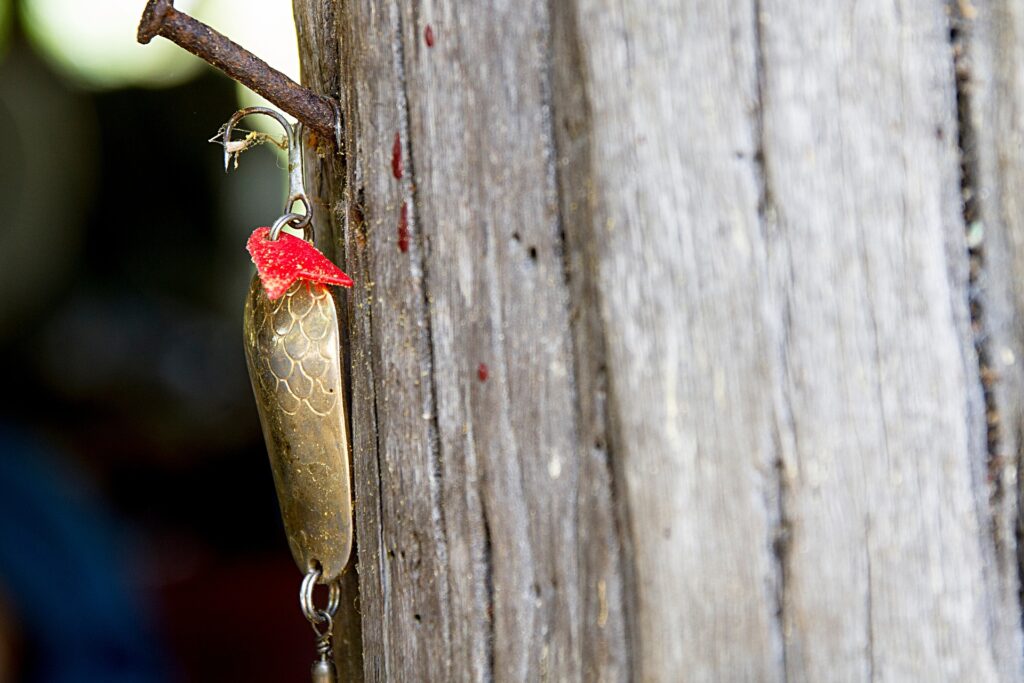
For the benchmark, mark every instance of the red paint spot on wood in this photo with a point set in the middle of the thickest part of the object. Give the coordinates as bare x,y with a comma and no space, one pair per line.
482,372
403,228
396,157
428,36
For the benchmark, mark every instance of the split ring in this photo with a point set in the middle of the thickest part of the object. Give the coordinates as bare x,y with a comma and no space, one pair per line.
312,613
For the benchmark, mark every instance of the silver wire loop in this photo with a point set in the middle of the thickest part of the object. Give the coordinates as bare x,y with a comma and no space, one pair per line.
295,220
312,613
296,189
323,629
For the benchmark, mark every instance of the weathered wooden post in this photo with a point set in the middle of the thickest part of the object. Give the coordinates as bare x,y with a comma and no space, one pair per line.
686,336
713,257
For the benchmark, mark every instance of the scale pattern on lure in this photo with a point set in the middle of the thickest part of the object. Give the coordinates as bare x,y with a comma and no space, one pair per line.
291,348
296,366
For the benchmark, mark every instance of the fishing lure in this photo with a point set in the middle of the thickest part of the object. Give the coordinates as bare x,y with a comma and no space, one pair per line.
293,353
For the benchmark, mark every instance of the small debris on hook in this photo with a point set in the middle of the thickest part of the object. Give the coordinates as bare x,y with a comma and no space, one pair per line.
234,148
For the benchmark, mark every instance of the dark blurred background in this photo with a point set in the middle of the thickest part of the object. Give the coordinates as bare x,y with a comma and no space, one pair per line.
139,534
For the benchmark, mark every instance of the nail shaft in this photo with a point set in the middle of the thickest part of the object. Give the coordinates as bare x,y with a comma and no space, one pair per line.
161,19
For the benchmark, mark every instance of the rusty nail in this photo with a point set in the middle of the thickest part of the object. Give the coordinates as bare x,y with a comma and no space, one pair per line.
316,111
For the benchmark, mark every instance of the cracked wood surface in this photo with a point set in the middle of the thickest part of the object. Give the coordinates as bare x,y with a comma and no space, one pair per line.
990,49
888,564
713,257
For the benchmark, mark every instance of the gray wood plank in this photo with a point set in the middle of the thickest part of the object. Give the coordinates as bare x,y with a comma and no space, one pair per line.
886,570
404,570
990,50
681,273
468,498
605,577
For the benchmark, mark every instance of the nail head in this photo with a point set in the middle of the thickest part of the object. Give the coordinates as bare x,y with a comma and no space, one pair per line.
153,18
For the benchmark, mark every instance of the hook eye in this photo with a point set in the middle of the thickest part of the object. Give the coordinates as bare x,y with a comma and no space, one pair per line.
307,210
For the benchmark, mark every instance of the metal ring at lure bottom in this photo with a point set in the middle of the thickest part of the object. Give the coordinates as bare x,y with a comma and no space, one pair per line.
310,610
296,220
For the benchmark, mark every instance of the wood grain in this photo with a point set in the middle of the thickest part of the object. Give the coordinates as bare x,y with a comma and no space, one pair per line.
713,257
680,276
